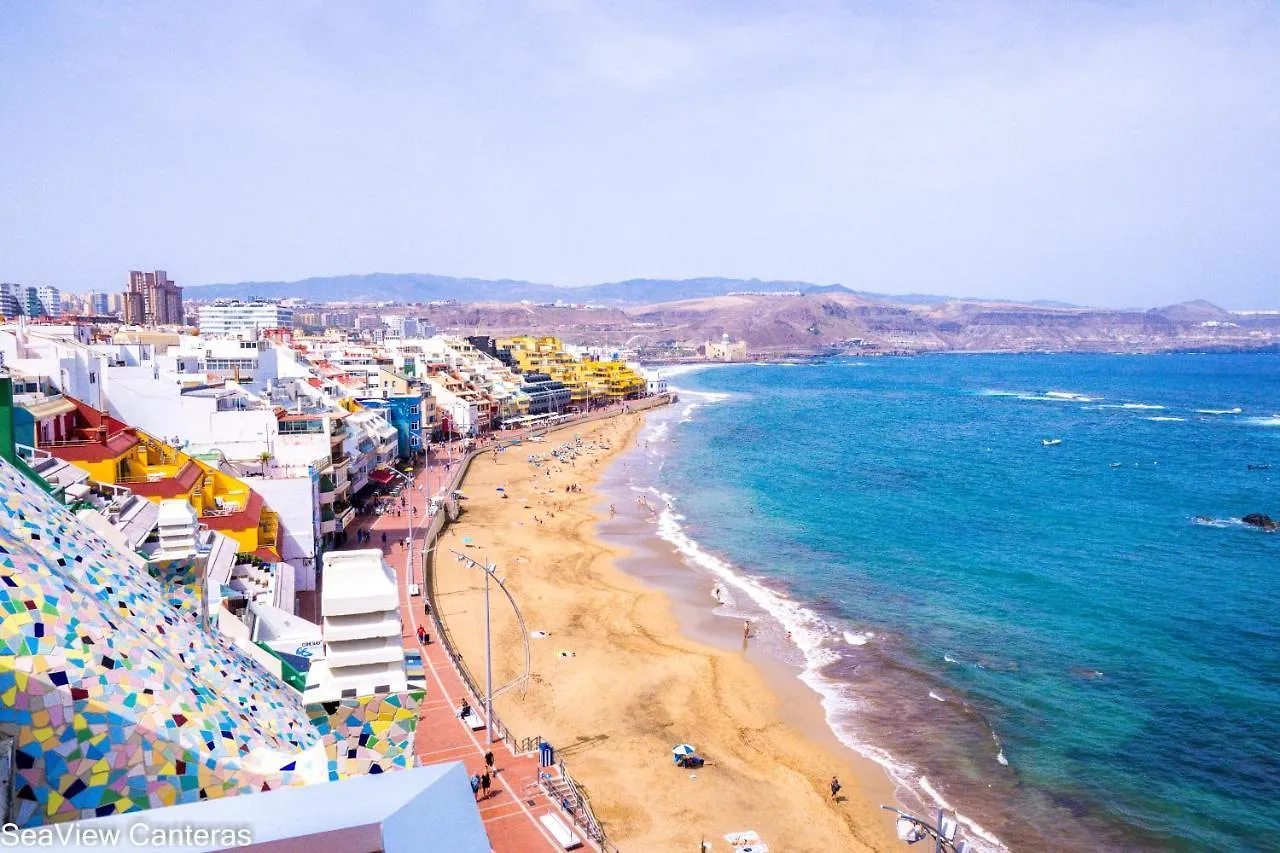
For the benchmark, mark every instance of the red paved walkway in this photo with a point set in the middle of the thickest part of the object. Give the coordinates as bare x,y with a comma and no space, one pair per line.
515,802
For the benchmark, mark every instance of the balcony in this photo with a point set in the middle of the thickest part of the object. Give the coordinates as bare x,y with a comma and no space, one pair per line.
340,461
327,486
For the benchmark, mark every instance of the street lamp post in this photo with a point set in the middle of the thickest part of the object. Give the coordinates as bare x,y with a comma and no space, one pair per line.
489,569
409,491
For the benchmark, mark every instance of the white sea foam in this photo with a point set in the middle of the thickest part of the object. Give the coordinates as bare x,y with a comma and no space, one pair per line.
1058,397
855,639
999,749
685,369
949,659
1140,406
936,697
1273,421
813,636
659,432
705,396
1218,522
1234,411
687,414
1164,419
996,392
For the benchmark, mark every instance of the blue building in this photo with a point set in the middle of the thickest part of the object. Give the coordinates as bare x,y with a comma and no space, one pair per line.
411,415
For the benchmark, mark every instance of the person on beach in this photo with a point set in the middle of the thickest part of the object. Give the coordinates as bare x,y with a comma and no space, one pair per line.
465,709
613,511
746,630
835,787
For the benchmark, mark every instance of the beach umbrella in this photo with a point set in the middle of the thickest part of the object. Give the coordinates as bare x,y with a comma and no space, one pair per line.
681,750
466,540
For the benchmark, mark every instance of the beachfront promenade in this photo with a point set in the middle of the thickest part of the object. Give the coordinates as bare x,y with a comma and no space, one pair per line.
516,801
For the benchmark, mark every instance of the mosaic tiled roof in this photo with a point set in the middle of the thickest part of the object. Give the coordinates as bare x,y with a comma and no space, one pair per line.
118,701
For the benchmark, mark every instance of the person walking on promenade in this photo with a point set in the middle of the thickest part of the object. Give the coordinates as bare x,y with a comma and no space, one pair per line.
422,636
835,788
488,762
475,785
384,540
746,630
485,781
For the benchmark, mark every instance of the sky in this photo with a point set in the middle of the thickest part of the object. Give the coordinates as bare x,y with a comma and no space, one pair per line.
1103,153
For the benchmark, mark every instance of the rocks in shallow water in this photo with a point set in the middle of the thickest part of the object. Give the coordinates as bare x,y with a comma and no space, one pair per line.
1257,519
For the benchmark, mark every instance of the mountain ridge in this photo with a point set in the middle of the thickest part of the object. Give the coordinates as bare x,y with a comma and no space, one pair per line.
429,287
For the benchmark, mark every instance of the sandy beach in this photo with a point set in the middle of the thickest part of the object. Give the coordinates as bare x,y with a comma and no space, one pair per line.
615,683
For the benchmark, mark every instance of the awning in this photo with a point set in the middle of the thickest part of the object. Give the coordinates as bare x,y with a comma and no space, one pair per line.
381,476
49,408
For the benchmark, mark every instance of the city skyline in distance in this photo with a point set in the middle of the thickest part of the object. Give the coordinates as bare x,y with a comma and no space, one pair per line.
1100,156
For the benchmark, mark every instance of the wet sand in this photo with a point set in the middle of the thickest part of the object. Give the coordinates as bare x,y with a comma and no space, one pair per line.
617,682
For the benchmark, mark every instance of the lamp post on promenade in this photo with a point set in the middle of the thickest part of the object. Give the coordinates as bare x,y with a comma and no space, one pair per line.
409,493
489,570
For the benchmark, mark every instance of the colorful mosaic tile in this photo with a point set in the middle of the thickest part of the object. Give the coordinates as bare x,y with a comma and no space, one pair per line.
118,701
371,734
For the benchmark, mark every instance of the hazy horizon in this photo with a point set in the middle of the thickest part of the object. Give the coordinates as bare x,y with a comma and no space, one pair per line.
1114,156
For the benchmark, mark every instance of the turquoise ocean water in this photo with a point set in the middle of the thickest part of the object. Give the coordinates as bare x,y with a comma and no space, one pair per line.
1045,637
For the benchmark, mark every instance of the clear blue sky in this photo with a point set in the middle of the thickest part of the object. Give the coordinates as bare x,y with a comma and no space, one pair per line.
1105,153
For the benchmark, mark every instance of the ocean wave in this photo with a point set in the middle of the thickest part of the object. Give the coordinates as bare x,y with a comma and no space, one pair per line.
813,636
1237,410
1205,521
706,396
855,639
936,697
686,369
1164,419
686,415
996,392
659,432
1273,421
999,749
1058,397
1140,406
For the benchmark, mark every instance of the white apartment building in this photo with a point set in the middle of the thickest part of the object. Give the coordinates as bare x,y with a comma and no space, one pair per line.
50,300
363,650
243,318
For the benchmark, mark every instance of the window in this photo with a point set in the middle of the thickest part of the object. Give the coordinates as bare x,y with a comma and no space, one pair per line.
415,425
413,410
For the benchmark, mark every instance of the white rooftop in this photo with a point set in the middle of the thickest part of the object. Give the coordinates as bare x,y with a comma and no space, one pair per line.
424,810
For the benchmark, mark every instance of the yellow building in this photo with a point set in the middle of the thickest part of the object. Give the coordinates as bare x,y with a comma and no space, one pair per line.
115,453
588,380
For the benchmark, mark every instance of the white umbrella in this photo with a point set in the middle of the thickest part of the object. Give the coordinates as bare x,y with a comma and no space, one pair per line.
680,750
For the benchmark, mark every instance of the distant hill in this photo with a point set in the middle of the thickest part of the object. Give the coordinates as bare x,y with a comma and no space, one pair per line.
425,287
